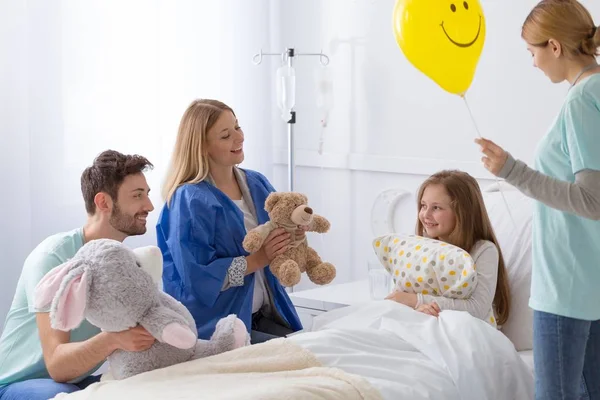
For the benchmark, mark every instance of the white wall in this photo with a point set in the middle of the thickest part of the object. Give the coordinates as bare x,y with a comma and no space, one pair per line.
77,78
15,211
391,126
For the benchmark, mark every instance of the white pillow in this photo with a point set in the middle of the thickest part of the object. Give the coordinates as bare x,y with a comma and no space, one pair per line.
514,237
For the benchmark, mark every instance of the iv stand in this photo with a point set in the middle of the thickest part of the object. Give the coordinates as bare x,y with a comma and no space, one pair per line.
288,56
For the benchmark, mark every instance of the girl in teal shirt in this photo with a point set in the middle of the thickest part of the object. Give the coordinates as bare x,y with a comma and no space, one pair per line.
565,296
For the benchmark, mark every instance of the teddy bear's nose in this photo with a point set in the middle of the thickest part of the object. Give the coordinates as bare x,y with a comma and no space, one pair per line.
308,210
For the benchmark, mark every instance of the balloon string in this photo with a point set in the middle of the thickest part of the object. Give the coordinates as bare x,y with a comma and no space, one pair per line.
495,177
471,115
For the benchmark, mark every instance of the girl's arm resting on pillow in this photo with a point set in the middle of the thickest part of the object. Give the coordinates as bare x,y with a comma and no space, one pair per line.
478,305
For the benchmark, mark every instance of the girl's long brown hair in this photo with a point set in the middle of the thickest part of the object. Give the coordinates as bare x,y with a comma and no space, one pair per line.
472,224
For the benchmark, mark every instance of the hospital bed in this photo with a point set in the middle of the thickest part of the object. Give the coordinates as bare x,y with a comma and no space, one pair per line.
378,350
513,230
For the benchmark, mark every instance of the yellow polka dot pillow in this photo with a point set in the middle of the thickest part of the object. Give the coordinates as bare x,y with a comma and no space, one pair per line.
427,266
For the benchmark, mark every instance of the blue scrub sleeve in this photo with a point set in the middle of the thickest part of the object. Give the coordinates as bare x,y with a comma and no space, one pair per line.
192,249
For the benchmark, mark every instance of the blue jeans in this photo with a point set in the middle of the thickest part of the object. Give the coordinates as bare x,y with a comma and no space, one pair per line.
566,354
42,389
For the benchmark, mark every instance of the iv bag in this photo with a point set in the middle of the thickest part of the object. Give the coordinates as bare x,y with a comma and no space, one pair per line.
324,89
286,90
324,99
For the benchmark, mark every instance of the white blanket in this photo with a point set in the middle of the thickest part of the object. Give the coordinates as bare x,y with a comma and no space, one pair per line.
278,369
378,350
409,355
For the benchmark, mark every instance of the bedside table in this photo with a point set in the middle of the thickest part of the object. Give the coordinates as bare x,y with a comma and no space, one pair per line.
312,302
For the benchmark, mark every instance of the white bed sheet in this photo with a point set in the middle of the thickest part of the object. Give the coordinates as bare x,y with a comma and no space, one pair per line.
409,355
527,357
391,365
402,353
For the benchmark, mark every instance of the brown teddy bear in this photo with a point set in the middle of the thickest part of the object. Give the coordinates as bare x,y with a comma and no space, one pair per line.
290,210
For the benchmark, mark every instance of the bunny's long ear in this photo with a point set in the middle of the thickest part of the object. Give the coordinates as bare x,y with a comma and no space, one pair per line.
49,285
68,305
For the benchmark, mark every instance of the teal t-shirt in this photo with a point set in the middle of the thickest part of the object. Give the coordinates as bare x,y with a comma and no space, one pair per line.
566,247
21,355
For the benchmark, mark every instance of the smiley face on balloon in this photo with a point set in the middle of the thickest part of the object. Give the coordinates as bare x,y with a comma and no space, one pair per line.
442,38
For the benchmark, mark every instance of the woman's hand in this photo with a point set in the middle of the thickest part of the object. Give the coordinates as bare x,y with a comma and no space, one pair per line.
431,309
495,156
408,299
276,244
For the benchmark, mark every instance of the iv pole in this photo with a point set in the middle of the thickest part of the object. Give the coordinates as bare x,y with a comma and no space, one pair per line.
288,56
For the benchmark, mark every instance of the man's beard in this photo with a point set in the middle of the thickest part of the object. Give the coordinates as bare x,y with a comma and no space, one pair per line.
126,224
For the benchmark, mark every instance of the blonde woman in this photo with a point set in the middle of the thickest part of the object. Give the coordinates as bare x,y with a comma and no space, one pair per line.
210,204
563,41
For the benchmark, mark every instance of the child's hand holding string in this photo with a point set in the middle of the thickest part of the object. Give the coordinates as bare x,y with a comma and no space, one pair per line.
495,156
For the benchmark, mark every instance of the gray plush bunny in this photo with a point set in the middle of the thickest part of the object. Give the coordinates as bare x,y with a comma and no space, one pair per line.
105,284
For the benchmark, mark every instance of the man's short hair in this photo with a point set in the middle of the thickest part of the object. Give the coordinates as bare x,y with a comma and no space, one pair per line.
107,174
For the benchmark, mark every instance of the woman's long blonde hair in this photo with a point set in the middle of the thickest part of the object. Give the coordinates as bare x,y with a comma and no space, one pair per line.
566,21
472,224
189,161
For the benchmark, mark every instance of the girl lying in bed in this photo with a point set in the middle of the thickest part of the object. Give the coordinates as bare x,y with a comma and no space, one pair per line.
451,210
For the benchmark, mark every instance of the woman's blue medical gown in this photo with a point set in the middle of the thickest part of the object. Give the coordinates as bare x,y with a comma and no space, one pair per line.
199,236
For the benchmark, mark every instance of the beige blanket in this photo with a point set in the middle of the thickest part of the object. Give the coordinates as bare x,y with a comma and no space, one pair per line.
277,369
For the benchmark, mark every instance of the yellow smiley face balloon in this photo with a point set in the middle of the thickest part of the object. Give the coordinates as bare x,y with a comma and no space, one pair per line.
442,38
